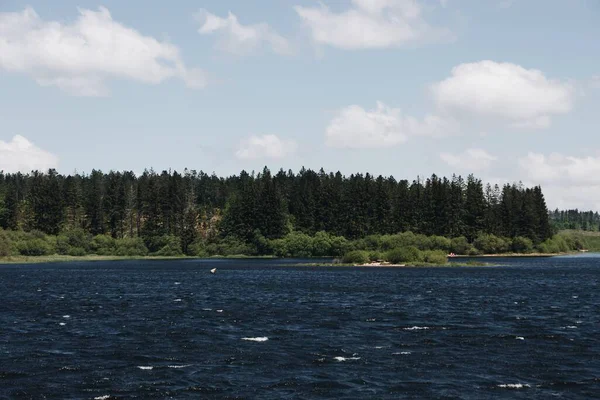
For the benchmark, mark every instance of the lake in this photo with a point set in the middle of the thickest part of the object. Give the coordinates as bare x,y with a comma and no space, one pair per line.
526,329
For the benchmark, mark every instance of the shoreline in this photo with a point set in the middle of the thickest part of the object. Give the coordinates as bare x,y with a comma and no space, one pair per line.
64,258
516,255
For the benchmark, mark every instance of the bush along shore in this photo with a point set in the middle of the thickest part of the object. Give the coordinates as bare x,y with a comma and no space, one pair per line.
404,248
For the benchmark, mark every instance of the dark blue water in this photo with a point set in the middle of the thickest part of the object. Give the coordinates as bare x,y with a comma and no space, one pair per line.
529,329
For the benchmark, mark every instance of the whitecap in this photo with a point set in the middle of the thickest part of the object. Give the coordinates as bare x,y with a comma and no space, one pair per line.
219,311
520,338
62,324
105,397
379,347
39,290
575,297
514,385
177,283
340,359
207,309
417,328
256,339
571,327
178,366
402,353
177,300
146,368
66,316
370,319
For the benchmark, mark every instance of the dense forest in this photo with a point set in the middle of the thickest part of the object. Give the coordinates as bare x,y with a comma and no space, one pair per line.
575,219
195,213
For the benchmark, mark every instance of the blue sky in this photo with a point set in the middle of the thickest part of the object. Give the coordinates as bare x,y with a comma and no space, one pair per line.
508,90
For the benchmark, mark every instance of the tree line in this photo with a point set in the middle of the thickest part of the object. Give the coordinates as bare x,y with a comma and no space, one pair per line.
181,209
576,220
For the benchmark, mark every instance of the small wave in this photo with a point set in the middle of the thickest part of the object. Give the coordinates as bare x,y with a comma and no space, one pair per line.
402,353
146,368
207,309
66,316
513,385
379,347
416,328
177,283
370,319
256,339
341,359
177,300
571,327
575,297
179,366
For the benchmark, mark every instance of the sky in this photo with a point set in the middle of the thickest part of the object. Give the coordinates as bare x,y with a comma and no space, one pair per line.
508,90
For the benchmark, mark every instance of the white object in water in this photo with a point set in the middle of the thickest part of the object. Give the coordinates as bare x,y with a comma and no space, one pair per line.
212,271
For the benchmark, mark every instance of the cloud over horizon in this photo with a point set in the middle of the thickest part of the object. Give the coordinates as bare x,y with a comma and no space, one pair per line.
20,155
265,147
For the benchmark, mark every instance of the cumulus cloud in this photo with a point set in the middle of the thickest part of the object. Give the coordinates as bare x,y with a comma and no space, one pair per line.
20,155
79,57
558,168
473,159
524,98
265,146
370,24
568,181
239,39
356,127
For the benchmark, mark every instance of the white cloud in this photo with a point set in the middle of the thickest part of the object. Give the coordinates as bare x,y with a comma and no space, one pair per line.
568,181
79,57
265,146
355,127
523,98
557,168
369,24
595,81
471,159
241,39
20,155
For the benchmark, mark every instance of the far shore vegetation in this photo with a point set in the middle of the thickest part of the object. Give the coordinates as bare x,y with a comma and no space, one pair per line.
354,219
402,248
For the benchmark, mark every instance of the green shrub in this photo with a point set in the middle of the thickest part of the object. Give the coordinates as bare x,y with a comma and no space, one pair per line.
172,247
435,257
298,245
522,244
5,244
77,251
130,247
459,245
321,244
375,256
62,245
404,254
491,244
35,247
340,246
356,257
197,248
440,243
103,245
